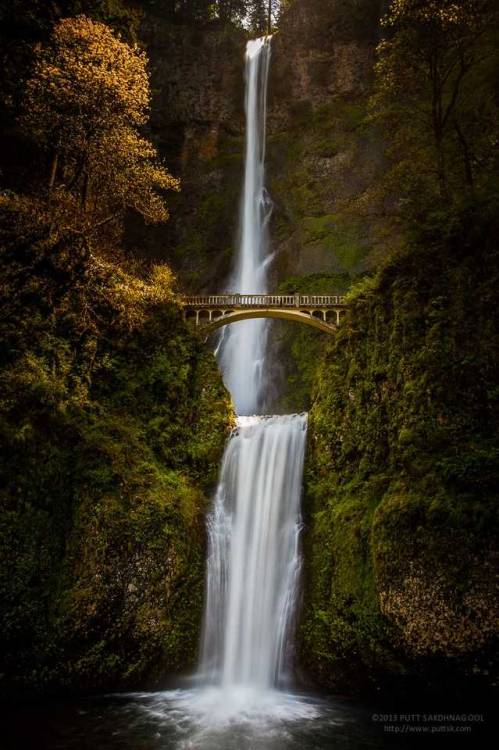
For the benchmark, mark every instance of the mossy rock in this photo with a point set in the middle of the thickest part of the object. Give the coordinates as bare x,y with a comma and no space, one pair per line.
112,434
401,478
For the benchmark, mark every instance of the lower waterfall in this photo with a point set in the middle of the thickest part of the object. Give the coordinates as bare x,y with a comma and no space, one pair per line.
252,579
253,557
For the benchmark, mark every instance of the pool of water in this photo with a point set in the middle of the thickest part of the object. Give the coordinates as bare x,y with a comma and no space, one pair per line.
211,719
194,720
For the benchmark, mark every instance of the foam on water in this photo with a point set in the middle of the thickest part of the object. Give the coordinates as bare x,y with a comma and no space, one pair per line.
216,708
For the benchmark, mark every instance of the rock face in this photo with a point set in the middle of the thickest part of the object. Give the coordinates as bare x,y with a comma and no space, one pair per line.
321,153
198,123
322,50
323,158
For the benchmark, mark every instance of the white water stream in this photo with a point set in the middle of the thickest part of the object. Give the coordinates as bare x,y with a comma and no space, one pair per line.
241,351
253,529
254,561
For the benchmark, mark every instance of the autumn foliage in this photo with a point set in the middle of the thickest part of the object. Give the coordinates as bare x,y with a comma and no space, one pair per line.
85,104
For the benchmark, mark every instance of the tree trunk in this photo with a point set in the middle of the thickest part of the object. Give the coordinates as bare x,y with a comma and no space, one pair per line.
468,170
84,191
438,134
441,169
53,171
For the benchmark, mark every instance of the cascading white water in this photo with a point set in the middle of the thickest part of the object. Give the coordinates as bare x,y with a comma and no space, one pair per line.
254,562
241,351
253,529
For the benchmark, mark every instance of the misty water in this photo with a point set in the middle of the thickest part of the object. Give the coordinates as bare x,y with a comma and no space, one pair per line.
165,721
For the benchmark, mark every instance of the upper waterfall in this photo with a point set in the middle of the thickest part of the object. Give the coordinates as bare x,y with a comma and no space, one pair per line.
241,351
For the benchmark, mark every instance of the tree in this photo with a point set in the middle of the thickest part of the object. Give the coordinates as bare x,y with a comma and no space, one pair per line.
261,15
231,11
85,103
433,97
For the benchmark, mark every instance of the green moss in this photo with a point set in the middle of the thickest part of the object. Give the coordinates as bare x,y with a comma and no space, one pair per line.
317,283
326,147
112,435
342,241
401,476
299,348
318,228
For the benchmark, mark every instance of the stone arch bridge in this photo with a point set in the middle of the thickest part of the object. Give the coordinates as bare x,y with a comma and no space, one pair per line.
214,311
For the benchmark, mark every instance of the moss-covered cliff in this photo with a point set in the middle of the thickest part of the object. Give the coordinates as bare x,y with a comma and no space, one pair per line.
403,470
112,422
321,152
323,159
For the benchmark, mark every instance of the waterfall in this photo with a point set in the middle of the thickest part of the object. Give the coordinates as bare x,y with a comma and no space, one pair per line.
241,351
253,529
253,563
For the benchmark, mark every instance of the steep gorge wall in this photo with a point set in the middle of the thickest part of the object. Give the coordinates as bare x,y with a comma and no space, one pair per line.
320,153
323,158
198,124
402,477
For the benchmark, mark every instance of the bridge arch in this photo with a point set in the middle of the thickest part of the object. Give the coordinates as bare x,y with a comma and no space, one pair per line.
295,315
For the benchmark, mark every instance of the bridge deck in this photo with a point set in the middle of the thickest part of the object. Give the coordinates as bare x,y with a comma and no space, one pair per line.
265,300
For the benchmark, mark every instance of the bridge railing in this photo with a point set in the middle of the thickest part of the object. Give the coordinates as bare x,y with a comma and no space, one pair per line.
265,300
